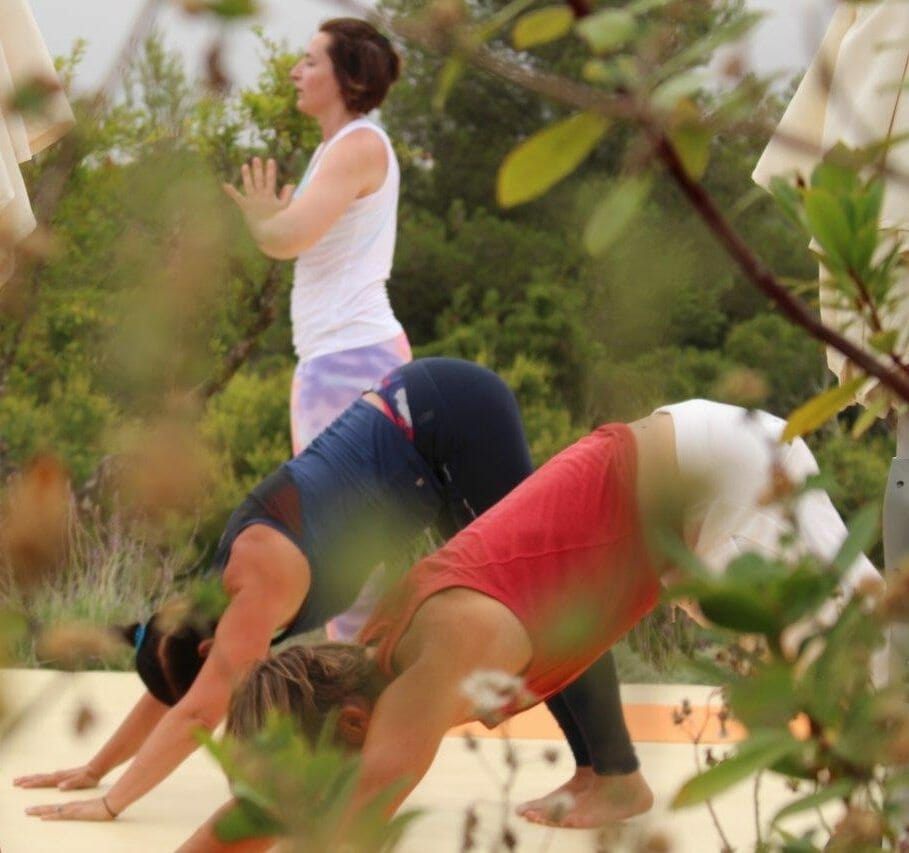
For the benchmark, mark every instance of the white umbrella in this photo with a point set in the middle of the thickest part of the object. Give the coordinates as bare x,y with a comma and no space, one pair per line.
854,93
23,58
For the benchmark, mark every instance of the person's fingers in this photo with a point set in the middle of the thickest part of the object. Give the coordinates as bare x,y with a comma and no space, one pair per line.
42,811
287,192
258,176
37,780
246,175
233,193
271,174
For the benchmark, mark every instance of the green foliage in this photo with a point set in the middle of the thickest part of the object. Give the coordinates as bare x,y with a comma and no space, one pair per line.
285,786
761,751
847,734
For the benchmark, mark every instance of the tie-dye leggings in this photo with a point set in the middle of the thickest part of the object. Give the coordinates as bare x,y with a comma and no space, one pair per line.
326,385
322,388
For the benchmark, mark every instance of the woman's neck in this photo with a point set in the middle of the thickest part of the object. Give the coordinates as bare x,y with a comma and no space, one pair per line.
331,122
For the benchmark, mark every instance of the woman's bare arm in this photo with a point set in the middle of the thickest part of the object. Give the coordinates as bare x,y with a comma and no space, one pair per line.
284,227
266,577
122,745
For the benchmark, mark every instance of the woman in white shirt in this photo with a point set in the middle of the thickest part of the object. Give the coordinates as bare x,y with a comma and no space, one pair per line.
339,225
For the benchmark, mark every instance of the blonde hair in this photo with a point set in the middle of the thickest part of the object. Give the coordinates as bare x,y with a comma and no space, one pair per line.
307,682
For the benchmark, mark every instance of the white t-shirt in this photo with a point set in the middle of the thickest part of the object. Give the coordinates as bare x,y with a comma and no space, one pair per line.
730,453
339,299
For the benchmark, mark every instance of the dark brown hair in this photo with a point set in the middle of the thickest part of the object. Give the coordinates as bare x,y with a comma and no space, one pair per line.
364,62
307,682
168,661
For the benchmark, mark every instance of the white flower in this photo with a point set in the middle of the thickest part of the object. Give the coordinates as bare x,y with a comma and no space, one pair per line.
491,690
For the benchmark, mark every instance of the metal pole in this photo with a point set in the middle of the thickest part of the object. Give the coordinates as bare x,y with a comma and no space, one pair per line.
896,536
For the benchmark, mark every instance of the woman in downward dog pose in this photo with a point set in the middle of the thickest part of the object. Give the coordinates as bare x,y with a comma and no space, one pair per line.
567,546
437,442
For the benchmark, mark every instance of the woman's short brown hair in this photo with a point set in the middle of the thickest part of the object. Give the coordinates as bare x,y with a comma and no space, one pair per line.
307,682
364,62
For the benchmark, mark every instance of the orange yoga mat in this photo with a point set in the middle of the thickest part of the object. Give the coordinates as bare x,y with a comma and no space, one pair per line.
646,723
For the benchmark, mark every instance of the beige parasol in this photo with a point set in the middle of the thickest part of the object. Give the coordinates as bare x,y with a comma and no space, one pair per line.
23,58
854,93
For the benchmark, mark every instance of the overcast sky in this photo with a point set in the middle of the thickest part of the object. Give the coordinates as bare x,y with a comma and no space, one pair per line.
785,41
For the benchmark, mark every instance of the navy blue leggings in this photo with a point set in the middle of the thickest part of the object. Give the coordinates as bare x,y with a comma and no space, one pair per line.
478,458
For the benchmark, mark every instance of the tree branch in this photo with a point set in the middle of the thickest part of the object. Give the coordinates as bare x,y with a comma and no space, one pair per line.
627,107
239,353
791,306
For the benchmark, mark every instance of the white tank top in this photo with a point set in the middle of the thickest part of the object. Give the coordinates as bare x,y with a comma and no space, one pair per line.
339,300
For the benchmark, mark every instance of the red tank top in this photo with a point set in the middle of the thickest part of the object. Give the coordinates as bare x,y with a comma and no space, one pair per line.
564,552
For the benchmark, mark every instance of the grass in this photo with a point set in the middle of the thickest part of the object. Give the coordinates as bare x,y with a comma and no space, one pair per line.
113,573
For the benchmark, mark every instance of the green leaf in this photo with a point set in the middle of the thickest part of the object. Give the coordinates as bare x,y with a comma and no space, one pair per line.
863,532
837,172
542,26
884,342
798,844
759,752
615,212
835,791
451,72
802,592
869,416
799,765
765,699
607,30
838,677
691,138
233,8
789,200
738,610
245,821
752,570
820,409
828,224
548,156
667,95
616,72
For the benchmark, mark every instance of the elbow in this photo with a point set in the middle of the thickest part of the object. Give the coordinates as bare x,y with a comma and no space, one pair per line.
201,717
278,253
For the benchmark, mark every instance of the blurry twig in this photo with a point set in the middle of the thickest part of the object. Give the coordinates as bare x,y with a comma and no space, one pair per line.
265,310
683,715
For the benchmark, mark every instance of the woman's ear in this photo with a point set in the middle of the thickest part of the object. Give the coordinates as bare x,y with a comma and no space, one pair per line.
353,720
204,646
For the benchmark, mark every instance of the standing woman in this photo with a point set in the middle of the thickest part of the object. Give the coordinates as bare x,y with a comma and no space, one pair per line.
339,225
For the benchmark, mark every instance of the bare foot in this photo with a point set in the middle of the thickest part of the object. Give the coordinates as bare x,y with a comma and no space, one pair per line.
587,800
